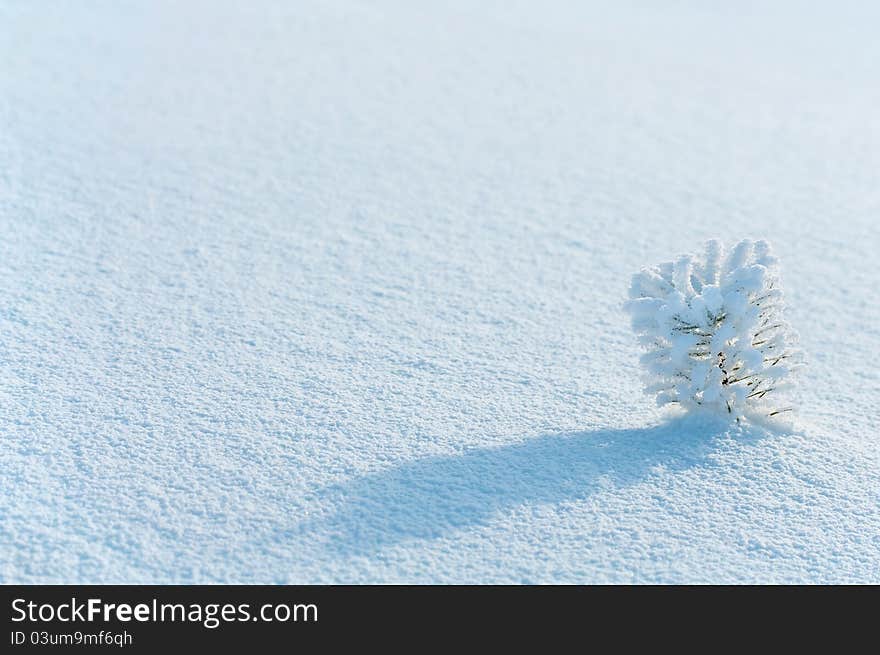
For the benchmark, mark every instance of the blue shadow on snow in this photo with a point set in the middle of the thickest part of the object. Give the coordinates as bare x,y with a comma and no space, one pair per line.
432,497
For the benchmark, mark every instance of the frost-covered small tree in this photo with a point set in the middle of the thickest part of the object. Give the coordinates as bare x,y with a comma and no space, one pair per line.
714,332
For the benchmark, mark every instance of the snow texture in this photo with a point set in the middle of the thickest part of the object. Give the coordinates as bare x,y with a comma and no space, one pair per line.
714,331
331,291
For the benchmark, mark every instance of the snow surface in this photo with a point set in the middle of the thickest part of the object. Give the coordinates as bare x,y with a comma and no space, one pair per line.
330,291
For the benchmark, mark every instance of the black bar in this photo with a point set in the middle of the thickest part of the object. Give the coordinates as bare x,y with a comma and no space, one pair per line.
333,616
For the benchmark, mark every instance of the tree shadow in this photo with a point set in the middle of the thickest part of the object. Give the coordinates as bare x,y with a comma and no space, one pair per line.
432,497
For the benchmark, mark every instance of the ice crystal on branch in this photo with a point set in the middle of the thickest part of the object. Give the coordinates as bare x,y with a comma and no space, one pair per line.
714,331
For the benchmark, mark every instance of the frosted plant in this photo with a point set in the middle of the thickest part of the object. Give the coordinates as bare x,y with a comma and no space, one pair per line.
714,330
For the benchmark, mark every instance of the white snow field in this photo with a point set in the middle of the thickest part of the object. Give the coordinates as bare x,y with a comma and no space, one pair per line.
331,291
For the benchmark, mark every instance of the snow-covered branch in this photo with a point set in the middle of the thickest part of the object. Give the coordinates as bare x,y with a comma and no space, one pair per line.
714,330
